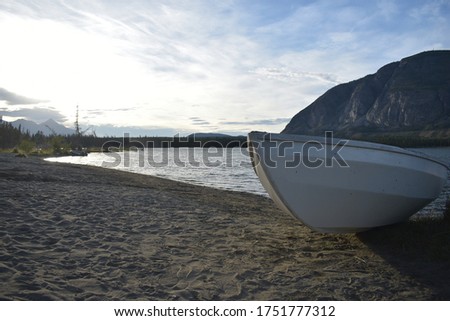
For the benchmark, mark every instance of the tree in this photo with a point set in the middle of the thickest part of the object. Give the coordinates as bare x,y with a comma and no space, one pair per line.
59,145
26,146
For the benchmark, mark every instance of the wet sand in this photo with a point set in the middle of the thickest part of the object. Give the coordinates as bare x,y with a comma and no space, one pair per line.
70,232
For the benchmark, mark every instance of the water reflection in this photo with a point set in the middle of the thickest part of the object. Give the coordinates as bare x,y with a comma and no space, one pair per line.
225,168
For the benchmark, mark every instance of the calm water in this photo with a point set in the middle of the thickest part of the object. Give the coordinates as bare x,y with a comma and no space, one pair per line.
224,168
228,169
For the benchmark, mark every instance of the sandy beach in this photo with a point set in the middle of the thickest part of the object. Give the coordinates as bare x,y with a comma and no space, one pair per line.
71,232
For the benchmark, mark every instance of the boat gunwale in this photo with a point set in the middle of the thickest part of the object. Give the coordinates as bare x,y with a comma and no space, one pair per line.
255,136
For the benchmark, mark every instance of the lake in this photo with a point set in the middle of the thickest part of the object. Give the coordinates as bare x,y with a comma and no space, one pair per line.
224,168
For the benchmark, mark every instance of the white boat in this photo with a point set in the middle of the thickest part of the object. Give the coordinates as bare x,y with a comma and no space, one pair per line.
344,186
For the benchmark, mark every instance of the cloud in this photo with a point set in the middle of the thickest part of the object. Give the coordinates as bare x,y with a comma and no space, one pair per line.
429,11
283,74
36,114
13,99
269,122
99,112
233,60
197,121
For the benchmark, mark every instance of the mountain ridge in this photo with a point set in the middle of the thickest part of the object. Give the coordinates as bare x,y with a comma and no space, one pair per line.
49,127
412,95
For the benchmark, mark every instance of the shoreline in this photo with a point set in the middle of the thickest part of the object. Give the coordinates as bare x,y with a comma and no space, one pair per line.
225,170
433,209
72,232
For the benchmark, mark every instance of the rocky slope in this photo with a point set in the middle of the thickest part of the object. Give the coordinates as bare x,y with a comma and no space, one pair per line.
411,95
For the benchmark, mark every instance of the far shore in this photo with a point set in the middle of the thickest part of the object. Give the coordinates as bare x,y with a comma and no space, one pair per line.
72,232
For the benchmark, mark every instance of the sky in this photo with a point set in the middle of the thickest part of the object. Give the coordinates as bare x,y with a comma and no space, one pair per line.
177,67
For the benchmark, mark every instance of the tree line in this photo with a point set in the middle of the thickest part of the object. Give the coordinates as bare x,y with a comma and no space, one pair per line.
12,138
410,141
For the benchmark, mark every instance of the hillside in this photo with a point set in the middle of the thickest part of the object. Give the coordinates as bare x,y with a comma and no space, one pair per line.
48,127
410,97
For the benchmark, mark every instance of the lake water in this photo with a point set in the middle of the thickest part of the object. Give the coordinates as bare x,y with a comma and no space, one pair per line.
223,168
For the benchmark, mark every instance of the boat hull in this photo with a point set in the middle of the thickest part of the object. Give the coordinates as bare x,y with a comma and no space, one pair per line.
344,186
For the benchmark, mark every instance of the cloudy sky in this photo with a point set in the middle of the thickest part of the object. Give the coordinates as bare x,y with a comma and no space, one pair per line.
167,67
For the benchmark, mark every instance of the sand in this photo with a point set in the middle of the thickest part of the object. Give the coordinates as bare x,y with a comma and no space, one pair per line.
70,232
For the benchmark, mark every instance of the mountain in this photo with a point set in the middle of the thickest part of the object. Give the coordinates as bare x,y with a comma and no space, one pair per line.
410,95
47,128
26,125
57,127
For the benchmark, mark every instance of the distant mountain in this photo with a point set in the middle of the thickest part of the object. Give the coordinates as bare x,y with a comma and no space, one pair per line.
26,125
47,128
411,95
57,127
